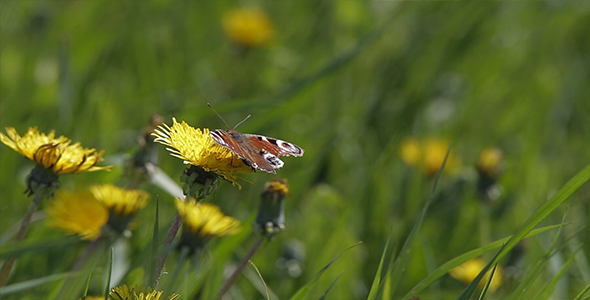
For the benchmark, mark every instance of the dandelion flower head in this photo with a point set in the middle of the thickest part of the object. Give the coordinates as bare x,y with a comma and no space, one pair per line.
197,147
122,202
77,213
248,26
134,293
206,220
57,154
467,272
428,155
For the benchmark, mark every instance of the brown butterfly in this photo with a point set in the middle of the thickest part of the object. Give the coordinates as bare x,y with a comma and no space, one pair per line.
257,151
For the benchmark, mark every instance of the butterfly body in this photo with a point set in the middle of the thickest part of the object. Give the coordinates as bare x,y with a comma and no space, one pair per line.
257,151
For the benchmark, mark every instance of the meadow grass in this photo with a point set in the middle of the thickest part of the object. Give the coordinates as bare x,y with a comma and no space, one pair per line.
351,82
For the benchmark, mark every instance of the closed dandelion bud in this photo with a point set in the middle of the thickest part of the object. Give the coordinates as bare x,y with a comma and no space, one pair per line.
271,216
489,168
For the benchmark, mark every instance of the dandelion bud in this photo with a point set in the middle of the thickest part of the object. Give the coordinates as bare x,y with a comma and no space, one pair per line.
489,167
271,216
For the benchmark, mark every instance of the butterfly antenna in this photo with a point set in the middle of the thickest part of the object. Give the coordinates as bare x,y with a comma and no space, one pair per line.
242,121
220,116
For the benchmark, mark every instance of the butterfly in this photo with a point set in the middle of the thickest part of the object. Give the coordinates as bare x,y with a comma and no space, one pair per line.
257,151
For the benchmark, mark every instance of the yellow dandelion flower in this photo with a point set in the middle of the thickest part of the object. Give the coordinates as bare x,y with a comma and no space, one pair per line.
77,213
57,154
410,151
122,202
490,162
248,26
204,221
93,298
434,152
467,272
428,155
197,147
125,293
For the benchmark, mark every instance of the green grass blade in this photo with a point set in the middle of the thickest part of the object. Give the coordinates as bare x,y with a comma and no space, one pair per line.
449,265
39,246
25,285
488,282
581,294
302,292
153,257
330,287
261,279
468,292
402,259
563,194
526,284
377,280
548,289
386,293
85,293
331,66
107,287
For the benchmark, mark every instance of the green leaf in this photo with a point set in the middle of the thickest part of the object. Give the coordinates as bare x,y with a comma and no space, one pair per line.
302,292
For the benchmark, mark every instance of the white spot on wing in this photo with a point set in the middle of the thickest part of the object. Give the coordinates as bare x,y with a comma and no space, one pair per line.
289,147
273,160
217,137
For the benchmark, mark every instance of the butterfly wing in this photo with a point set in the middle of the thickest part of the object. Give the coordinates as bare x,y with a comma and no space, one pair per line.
251,156
274,146
257,151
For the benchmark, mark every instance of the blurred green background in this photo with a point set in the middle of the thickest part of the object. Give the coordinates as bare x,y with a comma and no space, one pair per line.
348,81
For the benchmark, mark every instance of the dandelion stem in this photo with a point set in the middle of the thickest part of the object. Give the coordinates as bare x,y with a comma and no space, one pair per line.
232,278
7,266
167,242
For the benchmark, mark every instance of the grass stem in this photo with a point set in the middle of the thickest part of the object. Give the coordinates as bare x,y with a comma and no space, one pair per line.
7,266
232,278
167,242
